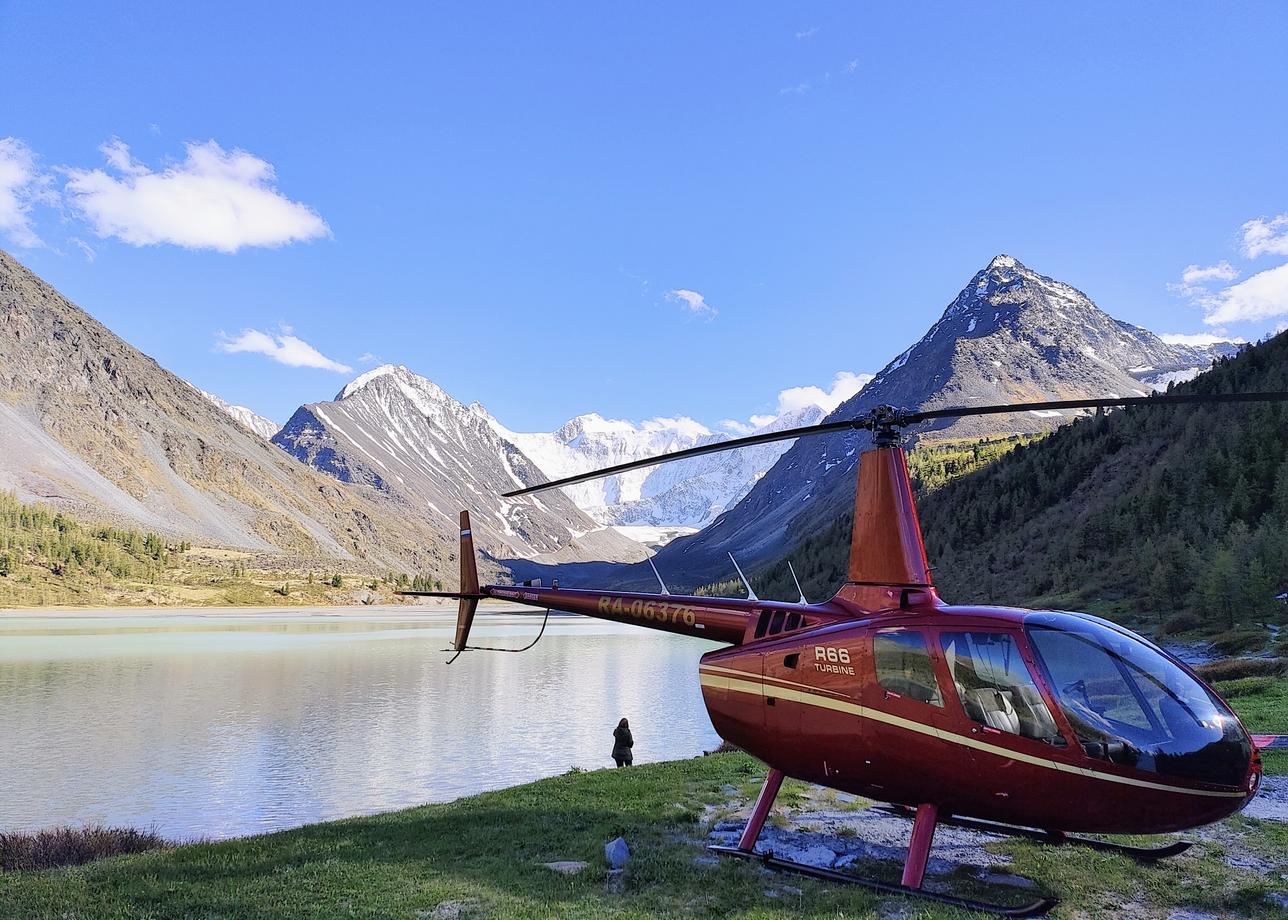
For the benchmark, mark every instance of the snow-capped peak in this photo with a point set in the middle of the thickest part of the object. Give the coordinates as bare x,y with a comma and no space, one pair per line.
422,391
384,370
251,419
1002,261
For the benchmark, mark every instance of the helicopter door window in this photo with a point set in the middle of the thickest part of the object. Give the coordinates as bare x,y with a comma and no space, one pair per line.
995,686
903,666
776,624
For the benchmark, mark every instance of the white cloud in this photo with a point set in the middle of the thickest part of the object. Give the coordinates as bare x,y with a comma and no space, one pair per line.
1262,236
368,358
692,301
800,89
282,347
21,186
90,254
1198,339
1261,296
844,385
807,33
747,427
214,199
851,65
1221,271
1195,278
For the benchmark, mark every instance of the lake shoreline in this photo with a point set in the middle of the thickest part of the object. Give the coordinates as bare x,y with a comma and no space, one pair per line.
336,610
489,855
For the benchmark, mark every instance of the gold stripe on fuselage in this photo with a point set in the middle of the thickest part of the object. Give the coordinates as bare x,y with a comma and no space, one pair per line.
811,697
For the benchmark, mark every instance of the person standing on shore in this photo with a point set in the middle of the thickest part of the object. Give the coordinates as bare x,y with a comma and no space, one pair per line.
622,744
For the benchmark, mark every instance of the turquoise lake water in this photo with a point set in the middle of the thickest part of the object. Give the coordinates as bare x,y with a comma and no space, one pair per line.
218,725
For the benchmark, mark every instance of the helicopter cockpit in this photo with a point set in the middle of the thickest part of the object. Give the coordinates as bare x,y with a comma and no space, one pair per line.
1131,704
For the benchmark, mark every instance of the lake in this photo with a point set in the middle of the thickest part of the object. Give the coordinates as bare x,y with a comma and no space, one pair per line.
219,723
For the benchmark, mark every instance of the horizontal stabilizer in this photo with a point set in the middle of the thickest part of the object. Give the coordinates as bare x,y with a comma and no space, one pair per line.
456,594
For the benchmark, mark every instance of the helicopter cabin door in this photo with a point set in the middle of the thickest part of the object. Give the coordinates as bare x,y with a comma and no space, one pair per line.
996,707
903,703
781,674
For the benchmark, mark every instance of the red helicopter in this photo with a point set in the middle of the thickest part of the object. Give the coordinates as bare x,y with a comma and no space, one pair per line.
1031,723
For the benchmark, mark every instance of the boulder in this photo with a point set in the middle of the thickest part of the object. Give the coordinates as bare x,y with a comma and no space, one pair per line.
616,852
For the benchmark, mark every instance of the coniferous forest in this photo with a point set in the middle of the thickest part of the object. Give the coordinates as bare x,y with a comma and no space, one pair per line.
1176,516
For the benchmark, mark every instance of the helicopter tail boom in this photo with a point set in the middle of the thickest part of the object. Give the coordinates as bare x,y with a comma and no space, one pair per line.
722,619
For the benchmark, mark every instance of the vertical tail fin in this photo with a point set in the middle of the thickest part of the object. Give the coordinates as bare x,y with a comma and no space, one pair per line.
469,586
886,546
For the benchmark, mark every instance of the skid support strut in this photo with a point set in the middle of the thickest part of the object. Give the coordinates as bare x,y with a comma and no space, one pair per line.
764,802
914,869
923,835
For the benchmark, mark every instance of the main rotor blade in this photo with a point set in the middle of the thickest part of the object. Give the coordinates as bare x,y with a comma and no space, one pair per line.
767,437
883,417
1161,399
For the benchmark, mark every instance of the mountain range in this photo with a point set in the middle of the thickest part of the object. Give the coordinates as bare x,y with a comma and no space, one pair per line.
399,434
90,424
686,494
380,471
1010,335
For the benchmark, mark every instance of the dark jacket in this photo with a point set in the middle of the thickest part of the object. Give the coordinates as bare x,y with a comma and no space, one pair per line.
622,743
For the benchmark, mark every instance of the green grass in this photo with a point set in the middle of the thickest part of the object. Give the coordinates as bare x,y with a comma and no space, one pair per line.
485,853
1262,705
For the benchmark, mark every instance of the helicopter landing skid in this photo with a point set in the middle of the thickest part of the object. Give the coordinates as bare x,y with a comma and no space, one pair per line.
1144,854
1034,909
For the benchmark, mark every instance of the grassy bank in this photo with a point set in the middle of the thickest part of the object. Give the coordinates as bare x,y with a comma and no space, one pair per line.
483,857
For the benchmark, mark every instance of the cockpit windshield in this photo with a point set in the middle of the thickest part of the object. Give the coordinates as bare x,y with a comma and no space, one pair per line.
1130,704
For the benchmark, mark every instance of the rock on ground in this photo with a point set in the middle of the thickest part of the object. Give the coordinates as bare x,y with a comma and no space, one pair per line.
566,866
617,853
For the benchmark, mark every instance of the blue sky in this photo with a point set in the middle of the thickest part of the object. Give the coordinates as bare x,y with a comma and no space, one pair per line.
505,197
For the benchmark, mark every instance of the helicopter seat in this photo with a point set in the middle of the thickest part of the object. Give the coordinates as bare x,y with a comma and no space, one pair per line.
1035,718
997,709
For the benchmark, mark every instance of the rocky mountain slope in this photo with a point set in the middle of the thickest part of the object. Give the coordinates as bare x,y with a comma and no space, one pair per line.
91,424
263,427
401,435
1011,335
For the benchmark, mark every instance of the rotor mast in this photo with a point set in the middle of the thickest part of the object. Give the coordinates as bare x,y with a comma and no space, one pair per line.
888,568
